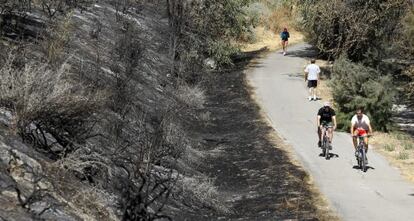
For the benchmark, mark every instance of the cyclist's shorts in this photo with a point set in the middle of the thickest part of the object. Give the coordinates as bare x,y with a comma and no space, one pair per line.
361,131
327,123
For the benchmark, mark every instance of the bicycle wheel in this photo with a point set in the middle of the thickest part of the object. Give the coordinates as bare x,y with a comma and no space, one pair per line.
363,160
326,149
323,146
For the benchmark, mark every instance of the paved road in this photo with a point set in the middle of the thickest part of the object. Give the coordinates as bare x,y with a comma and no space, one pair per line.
379,194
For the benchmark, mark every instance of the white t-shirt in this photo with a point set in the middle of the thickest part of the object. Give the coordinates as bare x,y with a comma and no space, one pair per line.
313,71
364,122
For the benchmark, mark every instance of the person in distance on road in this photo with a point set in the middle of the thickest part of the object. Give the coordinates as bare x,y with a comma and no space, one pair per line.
284,35
326,118
312,76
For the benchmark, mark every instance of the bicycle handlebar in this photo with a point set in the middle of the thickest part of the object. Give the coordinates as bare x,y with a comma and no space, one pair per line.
368,135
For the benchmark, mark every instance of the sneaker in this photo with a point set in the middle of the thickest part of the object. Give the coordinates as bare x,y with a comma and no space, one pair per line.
315,98
356,154
284,53
319,144
310,98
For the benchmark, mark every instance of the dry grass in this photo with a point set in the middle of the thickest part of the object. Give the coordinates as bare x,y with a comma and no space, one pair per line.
87,202
203,190
92,202
193,96
398,149
55,45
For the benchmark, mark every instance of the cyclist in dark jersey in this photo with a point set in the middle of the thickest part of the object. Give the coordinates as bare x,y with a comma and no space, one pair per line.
326,117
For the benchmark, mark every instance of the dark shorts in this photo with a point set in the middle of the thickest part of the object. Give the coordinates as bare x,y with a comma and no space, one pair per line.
326,123
312,83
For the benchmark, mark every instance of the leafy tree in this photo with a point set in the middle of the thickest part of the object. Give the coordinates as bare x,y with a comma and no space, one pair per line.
404,51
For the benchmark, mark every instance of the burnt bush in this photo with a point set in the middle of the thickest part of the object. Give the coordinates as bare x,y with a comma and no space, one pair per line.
17,20
50,7
50,112
16,7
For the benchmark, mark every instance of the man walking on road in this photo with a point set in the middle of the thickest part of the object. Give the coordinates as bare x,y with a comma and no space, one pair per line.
312,76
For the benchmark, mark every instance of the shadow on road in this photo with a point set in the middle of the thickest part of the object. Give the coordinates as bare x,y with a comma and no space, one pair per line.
356,167
331,155
308,52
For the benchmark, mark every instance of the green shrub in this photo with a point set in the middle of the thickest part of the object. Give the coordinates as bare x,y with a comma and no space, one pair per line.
343,121
389,147
351,27
401,136
406,43
405,48
403,156
221,52
408,145
355,85
256,12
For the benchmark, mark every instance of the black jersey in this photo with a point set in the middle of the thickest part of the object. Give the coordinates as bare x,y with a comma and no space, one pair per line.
326,114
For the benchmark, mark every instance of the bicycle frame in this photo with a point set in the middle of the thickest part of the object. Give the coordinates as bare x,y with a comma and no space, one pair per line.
361,158
325,138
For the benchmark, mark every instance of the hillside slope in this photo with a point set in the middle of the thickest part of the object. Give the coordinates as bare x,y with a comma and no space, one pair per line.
96,127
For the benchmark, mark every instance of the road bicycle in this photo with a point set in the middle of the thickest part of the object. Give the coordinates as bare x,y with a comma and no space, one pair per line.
325,142
361,154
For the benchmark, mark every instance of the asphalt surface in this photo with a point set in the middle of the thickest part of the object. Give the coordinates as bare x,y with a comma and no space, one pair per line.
379,194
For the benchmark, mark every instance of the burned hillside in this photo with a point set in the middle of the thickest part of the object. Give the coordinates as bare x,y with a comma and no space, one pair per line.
110,111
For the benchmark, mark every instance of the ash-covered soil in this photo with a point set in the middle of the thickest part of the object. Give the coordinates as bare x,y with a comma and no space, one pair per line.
255,177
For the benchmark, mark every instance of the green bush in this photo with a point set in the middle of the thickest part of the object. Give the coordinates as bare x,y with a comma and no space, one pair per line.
221,52
408,145
256,12
355,85
343,120
352,27
406,43
401,136
389,147
405,49
403,156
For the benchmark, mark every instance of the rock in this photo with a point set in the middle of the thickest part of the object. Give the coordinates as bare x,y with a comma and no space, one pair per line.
210,63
